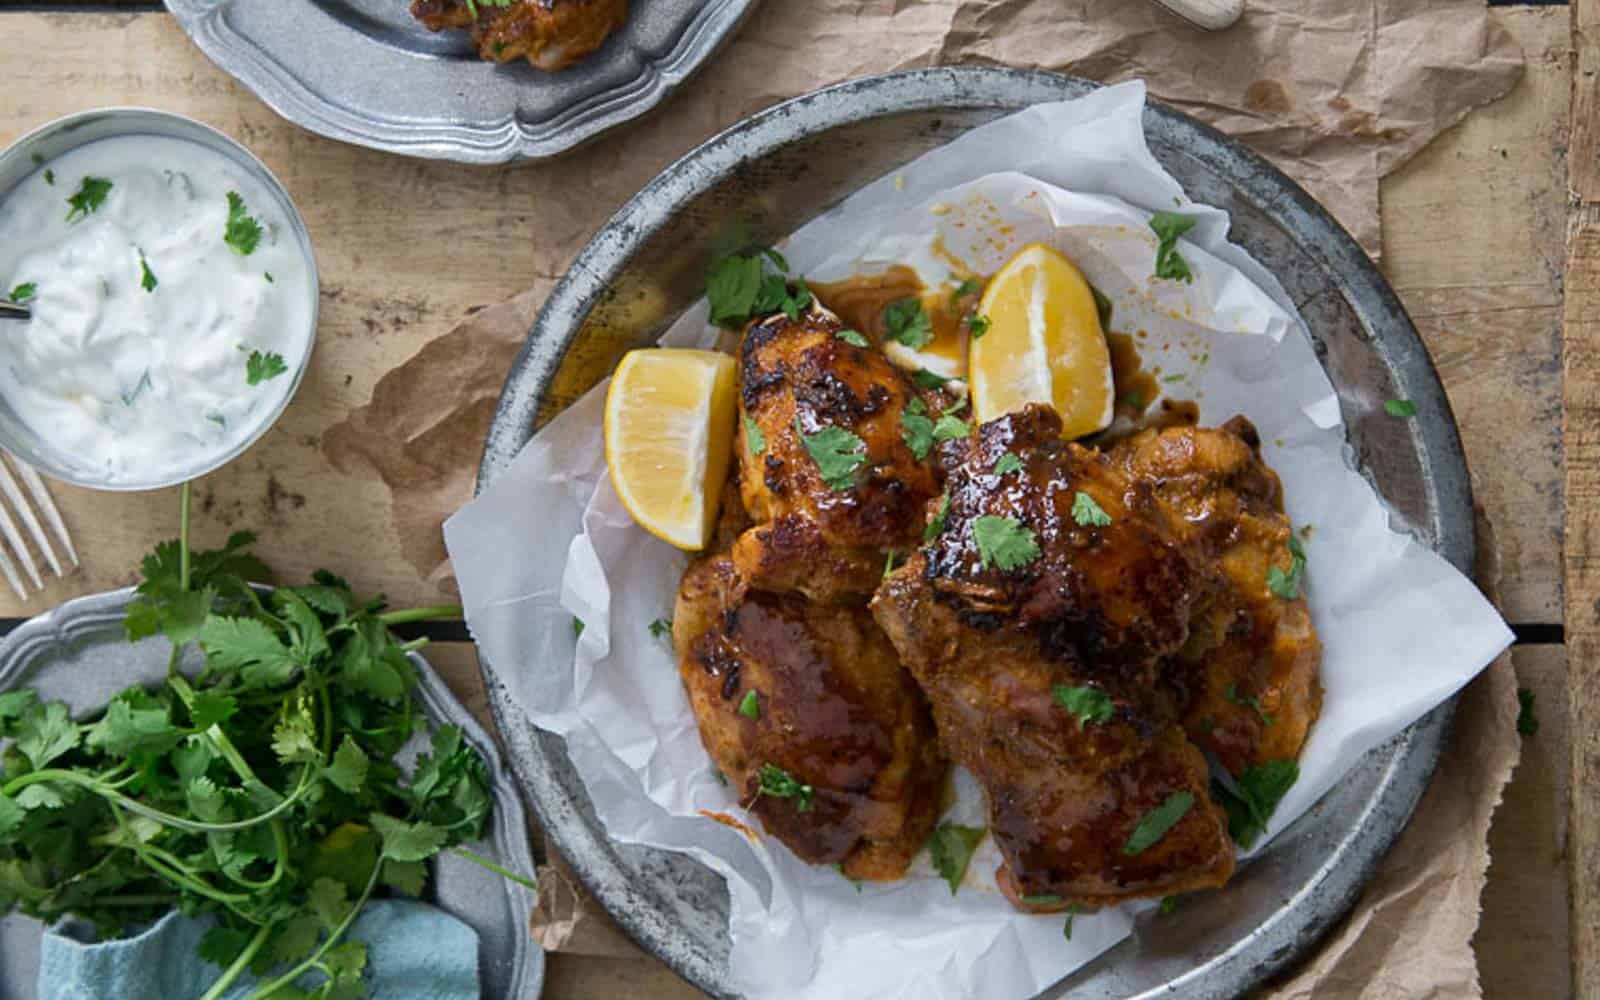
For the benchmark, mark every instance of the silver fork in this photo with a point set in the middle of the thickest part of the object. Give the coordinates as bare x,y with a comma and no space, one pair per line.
18,504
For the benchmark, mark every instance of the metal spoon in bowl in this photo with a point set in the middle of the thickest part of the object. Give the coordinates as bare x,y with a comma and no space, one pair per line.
14,310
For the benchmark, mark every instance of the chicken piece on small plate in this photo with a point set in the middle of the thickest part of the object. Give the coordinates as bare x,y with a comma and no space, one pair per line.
834,485
1247,680
550,34
1035,620
807,713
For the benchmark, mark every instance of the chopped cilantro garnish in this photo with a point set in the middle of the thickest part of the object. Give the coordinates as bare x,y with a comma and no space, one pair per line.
950,849
753,438
1249,701
1285,584
1003,542
661,628
25,291
1088,513
977,326
949,428
50,177
261,367
1253,796
577,626
852,337
1086,703
780,784
242,233
837,452
928,380
740,287
971,286
1169,262
1400,408
91,194
936,523
907,323
750,705
916,429
147,277
1157,822
1009,462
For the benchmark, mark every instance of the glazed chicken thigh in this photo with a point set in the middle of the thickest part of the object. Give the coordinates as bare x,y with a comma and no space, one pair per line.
807,713
550,34
1247,679
834,486
1035,620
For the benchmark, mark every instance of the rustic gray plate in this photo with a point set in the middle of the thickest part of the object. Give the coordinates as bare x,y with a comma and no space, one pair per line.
77,654
363,71
770,174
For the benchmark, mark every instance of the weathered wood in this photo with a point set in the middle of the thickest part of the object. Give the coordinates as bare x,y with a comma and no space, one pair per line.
1581,438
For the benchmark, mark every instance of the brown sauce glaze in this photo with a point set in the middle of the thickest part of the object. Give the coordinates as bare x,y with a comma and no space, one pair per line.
1136,388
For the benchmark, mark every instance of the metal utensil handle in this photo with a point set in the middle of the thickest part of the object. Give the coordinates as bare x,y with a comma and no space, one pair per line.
1212,15
13,310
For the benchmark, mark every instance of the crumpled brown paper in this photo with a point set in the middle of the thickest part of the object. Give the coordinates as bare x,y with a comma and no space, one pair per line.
1337,94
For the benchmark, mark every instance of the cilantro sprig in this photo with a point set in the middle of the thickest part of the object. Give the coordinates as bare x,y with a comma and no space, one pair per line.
1252,797
1168,227
951,848
837,452
262,788
242,232
91,194
740,288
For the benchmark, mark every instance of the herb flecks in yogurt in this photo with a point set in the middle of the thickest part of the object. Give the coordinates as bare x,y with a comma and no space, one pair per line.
244,232
260,367
50,177
129,368
91,194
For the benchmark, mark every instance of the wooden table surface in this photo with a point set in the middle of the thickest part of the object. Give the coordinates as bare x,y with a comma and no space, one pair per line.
1478,233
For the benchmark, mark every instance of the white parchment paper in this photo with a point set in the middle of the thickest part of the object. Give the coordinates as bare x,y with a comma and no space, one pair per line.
548,542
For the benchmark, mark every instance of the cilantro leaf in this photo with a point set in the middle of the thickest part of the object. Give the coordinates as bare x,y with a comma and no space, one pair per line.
348,772
740,288
406,877
1087,703
147,277
249,646
1007,463
661,628
1286,584
125,730
916,430
404,841
774,781
936,523
91,194
1169,226
907,323
46,732
242,233
925,379
296,939
971,286
222,944
294,739
950,849
12,816
1252,798
753,438
750,705
1400,408
328,901
1247,701
950,428
1527,722
1156,823
978,326
1088,513
259,368
24,292
853,338
1003,542
13,706
837,452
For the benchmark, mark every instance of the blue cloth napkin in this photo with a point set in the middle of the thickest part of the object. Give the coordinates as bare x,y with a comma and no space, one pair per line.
414,952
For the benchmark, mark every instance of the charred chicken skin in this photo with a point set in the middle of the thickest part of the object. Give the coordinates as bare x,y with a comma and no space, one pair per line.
808,715
1036,621
550,34
1247,679
835,487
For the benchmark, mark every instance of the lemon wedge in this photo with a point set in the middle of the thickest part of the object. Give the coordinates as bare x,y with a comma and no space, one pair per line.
1044,344
669,437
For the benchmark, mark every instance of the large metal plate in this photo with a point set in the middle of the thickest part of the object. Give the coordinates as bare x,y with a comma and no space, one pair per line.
363,71
77,654
770,174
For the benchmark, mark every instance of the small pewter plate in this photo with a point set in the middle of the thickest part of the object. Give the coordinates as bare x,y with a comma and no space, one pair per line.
76,653
770,174
365,72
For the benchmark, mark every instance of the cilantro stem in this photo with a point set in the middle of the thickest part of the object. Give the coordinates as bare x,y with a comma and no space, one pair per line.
414,644
139,808
506,873
288,978
183,537
147,899
447,612
241,963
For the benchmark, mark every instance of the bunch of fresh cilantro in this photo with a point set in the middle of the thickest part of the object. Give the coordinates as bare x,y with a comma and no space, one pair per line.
263,790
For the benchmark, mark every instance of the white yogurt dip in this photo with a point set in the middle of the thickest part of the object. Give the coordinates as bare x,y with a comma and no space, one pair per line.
148,320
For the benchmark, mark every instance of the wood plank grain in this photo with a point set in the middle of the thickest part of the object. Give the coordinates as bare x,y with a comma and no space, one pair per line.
1581,435
1473,233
